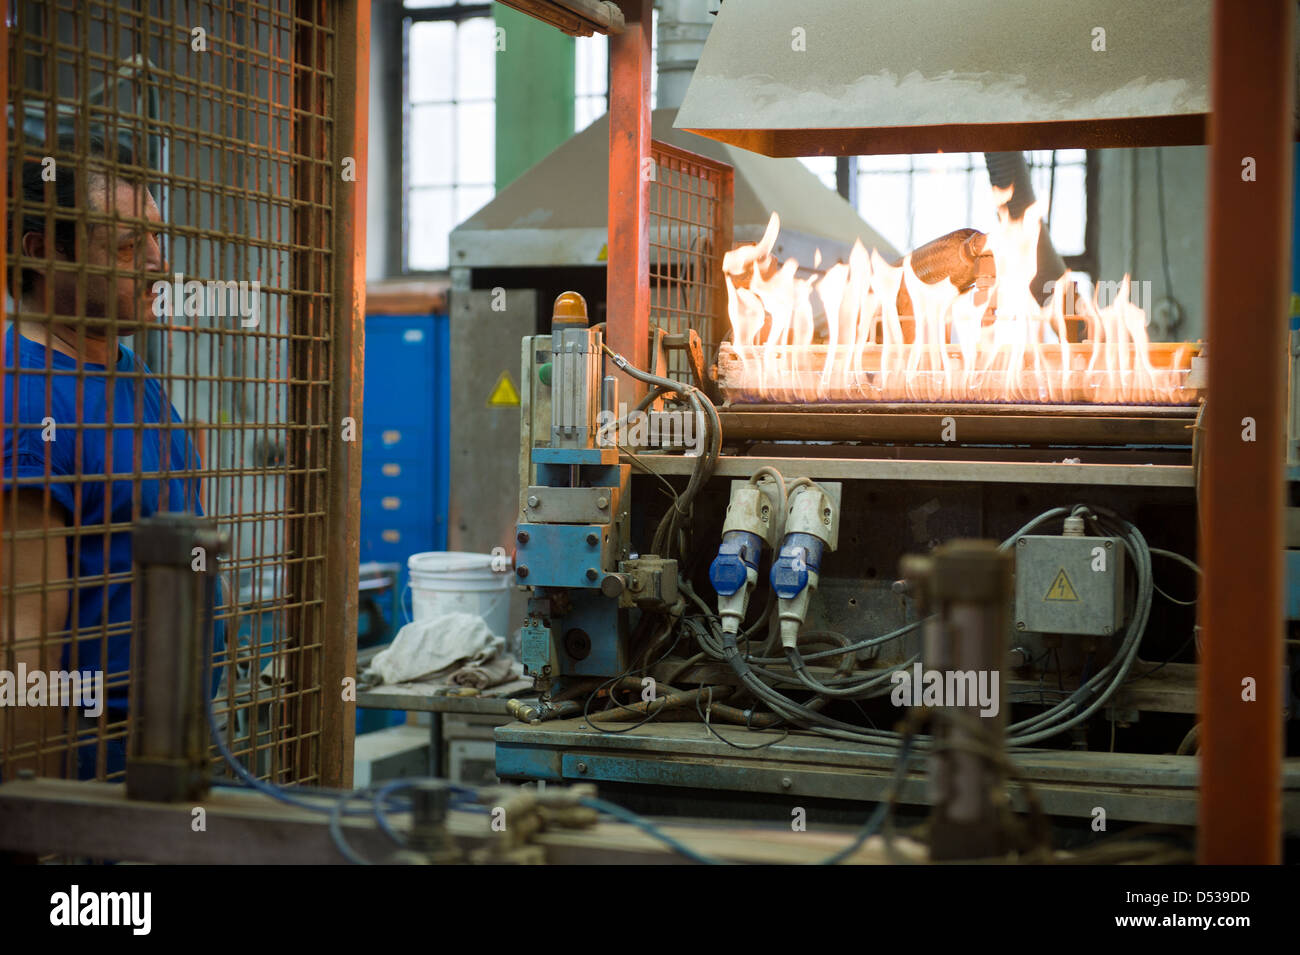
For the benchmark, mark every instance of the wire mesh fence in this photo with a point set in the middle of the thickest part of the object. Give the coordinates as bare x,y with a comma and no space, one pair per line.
691,206
174,341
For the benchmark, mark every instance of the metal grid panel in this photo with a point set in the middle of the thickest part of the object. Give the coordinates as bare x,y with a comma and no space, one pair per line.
191,143
691,207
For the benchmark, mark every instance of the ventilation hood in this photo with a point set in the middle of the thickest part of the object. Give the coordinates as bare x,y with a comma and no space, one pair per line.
557,213
850,77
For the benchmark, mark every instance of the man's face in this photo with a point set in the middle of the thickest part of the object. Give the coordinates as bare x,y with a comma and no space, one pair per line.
132,247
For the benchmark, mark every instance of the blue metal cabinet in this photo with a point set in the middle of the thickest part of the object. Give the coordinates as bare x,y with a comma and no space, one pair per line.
405,449
406,437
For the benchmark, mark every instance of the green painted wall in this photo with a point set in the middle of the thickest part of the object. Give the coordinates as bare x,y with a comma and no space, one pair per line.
534,96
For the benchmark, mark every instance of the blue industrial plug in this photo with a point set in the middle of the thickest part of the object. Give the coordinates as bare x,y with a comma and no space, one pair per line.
800,553
737,557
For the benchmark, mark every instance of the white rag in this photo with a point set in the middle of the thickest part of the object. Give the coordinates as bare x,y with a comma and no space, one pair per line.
424,649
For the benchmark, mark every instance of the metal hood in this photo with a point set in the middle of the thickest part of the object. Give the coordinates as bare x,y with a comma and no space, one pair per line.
556,213
849,77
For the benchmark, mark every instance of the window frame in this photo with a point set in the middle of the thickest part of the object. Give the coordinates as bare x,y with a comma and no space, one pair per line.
456,13
848,185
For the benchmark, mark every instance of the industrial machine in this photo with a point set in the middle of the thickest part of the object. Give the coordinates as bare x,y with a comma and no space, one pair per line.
884,470
679,576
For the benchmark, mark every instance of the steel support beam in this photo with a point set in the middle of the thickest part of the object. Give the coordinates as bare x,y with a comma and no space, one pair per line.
628,273
1248,235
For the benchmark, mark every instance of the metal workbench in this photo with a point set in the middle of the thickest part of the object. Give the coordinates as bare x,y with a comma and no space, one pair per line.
426,698
1133,787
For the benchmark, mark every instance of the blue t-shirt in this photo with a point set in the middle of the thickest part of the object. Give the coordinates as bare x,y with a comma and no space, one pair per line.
106,493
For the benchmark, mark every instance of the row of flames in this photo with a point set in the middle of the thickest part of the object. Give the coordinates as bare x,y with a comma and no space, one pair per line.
1007,348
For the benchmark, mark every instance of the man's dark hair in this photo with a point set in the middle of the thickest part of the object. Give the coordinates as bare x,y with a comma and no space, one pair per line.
68,157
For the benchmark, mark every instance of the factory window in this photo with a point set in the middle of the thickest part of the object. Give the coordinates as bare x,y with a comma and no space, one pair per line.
449,146
590,80
449,118
910,199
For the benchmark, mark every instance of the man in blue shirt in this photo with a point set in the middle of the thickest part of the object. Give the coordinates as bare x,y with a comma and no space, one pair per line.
117,450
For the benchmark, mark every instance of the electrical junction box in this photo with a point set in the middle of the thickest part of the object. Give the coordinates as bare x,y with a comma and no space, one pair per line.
1070,585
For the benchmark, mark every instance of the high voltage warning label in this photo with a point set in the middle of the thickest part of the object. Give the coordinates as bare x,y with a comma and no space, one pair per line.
503,393
1061,588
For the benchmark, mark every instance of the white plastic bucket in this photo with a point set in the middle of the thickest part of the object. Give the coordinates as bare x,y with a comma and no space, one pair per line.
445,582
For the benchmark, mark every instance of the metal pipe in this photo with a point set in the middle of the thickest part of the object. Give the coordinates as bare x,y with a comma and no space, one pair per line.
967,585
1247,229
683,29
176,562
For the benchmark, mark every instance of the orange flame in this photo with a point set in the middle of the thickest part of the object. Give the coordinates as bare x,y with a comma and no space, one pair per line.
999,346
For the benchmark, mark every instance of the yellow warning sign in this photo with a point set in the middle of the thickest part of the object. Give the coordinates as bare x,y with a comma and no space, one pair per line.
504,393
1061,588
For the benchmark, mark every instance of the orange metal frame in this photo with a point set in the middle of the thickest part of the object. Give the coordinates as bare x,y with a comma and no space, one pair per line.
351,124
627,289
1248,234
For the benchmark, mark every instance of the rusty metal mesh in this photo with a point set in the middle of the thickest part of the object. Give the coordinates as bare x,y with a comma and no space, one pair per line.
691,206
222,111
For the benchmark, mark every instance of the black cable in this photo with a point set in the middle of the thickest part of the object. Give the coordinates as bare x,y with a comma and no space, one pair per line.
882,810
867,685
586,708
852,647
1167,660
1058,718
709,726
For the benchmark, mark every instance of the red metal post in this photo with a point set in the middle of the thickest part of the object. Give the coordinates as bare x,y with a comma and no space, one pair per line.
627,294
1248,238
